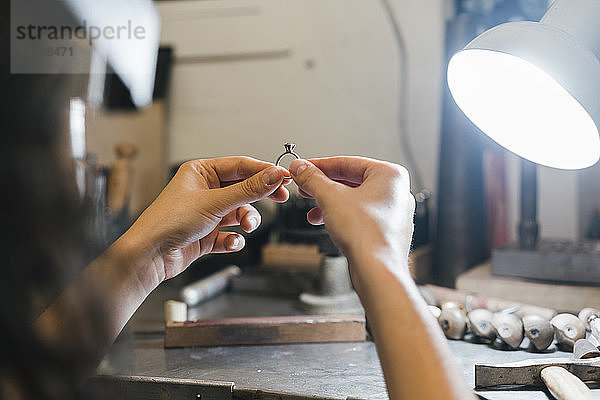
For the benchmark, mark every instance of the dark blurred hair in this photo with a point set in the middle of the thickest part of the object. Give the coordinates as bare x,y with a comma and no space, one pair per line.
42,240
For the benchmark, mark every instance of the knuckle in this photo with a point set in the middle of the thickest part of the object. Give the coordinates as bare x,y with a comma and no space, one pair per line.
197,169
192,166
400,175
186,166
399,171
402,171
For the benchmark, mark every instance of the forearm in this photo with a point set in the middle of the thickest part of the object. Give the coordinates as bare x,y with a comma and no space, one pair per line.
89,315
416,360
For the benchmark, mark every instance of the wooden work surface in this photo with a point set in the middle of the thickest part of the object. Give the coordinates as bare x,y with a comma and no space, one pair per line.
561,297
308,371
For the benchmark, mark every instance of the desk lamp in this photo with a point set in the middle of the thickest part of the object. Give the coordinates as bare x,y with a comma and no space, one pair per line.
131,57
534,87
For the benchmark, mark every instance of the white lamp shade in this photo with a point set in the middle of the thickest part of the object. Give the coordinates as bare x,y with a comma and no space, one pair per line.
535,89
133,60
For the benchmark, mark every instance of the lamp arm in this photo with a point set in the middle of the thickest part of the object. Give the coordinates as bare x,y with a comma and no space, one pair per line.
579,18
528,229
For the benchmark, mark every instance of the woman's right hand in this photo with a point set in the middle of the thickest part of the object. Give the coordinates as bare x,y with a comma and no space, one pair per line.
365,204
367,208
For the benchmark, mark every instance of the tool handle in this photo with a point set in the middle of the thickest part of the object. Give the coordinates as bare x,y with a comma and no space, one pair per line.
442,295
563,385
595,328
209,287
121,177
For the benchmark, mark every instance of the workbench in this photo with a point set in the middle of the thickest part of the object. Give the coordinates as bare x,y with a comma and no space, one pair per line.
138,366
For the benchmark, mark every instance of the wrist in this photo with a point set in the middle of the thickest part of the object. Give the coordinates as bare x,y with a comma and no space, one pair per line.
365,254
138,261
370,263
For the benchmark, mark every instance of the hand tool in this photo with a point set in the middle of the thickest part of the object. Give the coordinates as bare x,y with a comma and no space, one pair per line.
120,178
539,331
209,287
442,294
563,385
585,349
562,376
568,329
453,322
591,319
508,328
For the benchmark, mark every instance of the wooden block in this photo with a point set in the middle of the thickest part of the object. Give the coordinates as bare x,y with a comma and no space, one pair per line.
561,297
300,257
266,330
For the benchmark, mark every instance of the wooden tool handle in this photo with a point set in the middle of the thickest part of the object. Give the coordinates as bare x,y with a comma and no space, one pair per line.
119,180
442,294
564,385
595,328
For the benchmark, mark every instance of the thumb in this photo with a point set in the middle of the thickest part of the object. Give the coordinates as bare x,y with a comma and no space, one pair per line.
312,180
257,187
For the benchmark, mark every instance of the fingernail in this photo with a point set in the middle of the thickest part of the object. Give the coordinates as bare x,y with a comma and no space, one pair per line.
271,176
236,242
297,166
253,222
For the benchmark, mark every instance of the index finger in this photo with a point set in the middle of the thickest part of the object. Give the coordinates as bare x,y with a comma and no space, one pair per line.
232,169
350,170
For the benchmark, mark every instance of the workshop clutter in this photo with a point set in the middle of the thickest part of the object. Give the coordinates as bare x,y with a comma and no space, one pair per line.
506,325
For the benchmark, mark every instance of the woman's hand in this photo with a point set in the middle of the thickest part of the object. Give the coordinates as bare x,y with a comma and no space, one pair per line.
183,223
365,204
367,208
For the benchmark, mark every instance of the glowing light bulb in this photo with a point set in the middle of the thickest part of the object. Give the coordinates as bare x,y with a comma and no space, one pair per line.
523,108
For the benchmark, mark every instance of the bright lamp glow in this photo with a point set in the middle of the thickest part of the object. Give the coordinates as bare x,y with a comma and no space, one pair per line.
534,87
523,109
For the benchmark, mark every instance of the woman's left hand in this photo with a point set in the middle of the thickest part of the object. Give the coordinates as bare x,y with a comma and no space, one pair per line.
183,223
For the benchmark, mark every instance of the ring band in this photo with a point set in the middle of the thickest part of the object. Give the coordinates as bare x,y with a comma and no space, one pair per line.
289,149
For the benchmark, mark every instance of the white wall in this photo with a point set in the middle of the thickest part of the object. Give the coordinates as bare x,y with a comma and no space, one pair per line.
329,84
333,91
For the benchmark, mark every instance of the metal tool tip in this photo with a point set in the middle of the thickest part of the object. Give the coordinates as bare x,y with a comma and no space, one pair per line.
583,349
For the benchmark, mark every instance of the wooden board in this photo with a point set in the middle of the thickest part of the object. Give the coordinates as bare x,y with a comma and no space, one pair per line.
561,297
266,330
